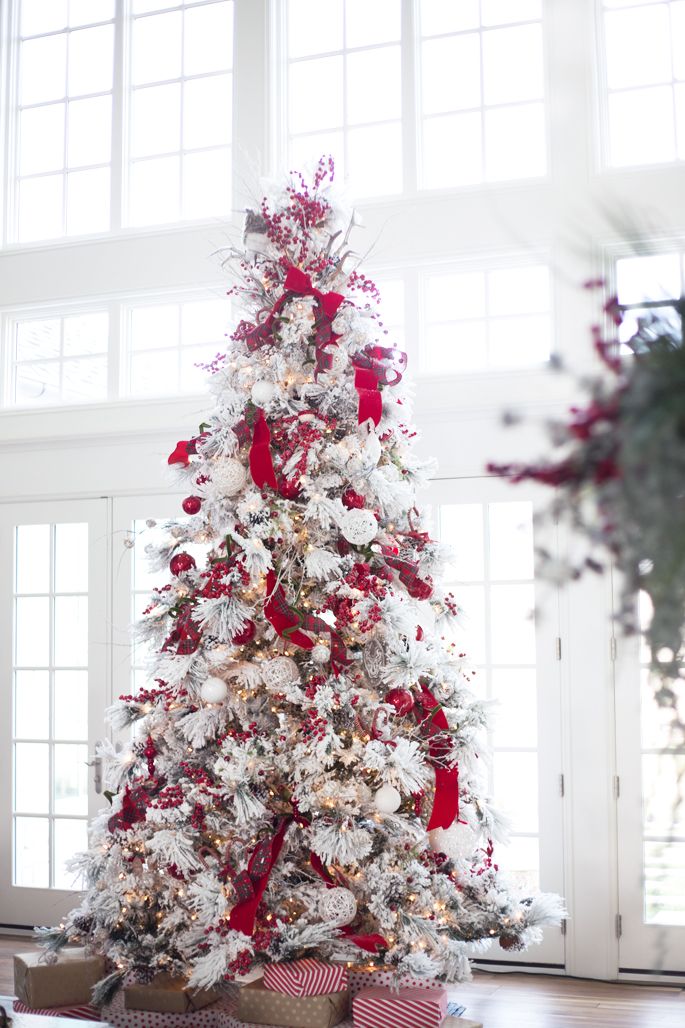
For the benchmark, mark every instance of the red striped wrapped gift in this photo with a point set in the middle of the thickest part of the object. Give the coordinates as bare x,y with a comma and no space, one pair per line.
84,1012
379,1007
305,977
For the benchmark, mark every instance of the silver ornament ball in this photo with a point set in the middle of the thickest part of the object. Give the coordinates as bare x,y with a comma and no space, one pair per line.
320,654
338,905
359,527
228,476
280,672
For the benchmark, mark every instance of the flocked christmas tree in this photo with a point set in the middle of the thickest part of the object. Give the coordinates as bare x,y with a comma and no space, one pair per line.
303,778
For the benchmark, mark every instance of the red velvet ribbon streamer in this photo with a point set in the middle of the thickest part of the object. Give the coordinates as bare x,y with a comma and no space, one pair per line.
261,463
370,400
375,366
250,884
446,801
288,622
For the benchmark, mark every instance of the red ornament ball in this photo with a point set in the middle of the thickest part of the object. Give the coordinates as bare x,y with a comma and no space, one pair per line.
181,562
191,504
289,488
352,500
401,699
245,635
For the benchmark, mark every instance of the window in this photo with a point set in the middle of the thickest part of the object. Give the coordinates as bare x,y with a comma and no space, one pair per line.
486,319
50,705
345,90
645,77
181,87
167,343
75,120
59,360
493,583
482,90
653,277
64,117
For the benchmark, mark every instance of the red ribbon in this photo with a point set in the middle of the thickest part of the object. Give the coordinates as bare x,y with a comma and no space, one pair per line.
180,454
261,463
408,571
297,281
287,622
446,801
375,366
250,885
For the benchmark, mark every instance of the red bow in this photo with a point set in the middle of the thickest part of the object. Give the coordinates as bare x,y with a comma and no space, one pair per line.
180,454
375,366
433,724
287,621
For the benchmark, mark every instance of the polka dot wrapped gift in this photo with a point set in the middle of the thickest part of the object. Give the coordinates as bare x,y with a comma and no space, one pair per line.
305,977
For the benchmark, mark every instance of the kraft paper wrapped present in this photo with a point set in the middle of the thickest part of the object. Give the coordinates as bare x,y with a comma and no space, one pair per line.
259,1005
67,982
168,995
83,1012
381,1007
307,977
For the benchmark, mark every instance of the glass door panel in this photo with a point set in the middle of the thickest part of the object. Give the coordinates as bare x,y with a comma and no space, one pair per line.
510,654
53,684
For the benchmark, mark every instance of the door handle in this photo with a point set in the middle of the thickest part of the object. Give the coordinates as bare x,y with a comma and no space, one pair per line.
96,764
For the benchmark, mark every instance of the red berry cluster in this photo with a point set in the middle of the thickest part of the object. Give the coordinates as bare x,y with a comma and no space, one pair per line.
313,727
170,796
198,817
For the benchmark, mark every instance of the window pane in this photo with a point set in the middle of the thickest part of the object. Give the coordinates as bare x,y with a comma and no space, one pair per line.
470,629
71,705
31,704
154,374
43,16
308,32
513,628
663,792
156,120
84,381
649,278
664,871
457,294
71,631
367,24
32,632
86,334
375,160
456,347
31,777
155,326
519,342
154,192
629,61
71,837
639,115
203,321
86,12
450,73
37,339
157,47
90,131
515,715
71,558
71,779
312,107
305,151
207,112
43,69
515,142
88,199
36,383
91,57
497,12
451,154
206,184
41,214
32,852
374,87
461,527
511,539
33,559
438,17
520,858
208,39
515,777
512,64
41,139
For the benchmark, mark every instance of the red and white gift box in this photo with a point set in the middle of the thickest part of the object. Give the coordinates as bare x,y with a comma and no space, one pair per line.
381,1007
85,1012
305,977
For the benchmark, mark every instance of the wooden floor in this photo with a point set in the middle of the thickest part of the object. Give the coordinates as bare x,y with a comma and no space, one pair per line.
521,1000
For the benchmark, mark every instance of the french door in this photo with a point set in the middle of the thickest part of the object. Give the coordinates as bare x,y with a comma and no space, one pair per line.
650,787
515,659
54,682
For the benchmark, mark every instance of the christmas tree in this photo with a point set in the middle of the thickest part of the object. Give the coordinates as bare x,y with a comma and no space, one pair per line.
303,777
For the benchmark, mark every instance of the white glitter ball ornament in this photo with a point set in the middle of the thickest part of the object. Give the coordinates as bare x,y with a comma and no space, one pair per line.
228,476
320,654
387,799
359,527
262,393
280,672
338,905
459,841
214,690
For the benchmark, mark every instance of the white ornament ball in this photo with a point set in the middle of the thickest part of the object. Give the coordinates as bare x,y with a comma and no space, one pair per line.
387,799
320,654
359,527
459,841
228,476
262,393
214,690
280,672
338,905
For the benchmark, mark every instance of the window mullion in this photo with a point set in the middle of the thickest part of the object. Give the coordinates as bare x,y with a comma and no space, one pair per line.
120,115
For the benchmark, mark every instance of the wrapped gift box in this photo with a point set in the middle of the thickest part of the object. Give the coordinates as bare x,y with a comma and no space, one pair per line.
78,1013
168,995
306,977
68,982
380,1007
259,1005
